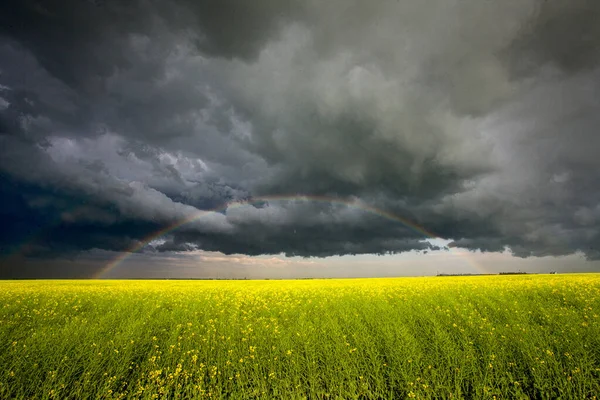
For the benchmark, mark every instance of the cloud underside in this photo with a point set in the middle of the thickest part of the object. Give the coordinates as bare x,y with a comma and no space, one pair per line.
362,125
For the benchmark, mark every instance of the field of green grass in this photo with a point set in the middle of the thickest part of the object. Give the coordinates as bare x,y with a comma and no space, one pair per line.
503,337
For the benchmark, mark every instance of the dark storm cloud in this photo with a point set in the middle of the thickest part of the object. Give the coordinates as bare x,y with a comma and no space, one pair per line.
290,227
565,34
475,120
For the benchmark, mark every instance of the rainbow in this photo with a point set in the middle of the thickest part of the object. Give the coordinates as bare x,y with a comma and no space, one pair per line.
321,199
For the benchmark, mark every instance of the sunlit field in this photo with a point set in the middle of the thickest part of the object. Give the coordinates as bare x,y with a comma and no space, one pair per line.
437,337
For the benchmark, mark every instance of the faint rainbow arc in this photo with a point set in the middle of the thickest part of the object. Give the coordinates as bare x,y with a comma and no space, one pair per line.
322,199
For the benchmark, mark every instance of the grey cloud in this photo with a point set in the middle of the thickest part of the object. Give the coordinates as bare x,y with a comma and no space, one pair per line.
475,120
564,34
233,28
537,198
131,199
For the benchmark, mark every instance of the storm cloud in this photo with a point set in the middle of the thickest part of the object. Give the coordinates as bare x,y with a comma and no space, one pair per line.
475,121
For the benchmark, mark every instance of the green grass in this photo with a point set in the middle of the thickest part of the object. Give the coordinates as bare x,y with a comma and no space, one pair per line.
460,337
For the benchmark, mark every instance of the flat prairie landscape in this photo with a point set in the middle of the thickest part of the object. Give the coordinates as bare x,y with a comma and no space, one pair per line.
485,337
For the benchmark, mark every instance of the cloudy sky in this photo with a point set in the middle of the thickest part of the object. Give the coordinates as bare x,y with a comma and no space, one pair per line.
298,137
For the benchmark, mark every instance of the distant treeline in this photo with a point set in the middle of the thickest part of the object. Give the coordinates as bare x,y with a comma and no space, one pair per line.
499,273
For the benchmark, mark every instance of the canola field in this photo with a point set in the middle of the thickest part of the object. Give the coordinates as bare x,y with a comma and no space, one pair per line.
485,337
